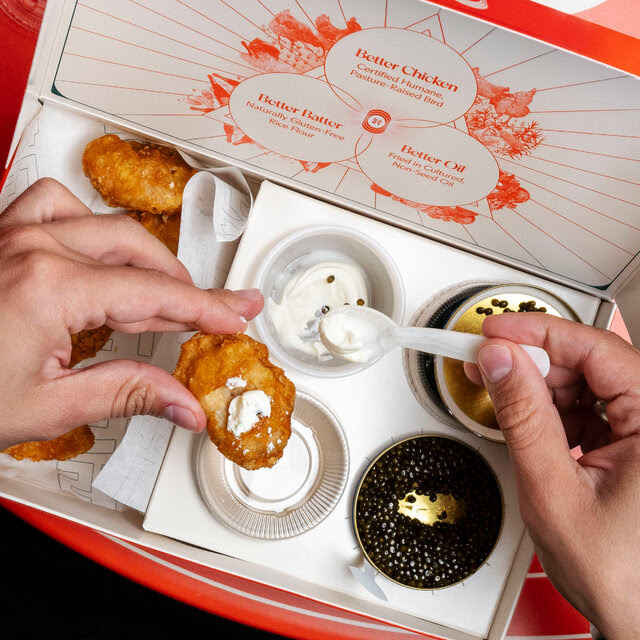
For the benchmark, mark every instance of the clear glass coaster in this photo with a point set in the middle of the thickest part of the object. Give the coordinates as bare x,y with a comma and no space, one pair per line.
291,497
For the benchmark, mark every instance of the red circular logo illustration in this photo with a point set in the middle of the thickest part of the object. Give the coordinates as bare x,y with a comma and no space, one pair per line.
376,121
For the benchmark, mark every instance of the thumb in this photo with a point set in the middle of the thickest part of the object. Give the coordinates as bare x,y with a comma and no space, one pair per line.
124,388
528,419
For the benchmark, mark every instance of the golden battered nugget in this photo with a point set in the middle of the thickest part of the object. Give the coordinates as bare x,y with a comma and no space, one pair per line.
136,175
219,368
86,343
164,227
64,447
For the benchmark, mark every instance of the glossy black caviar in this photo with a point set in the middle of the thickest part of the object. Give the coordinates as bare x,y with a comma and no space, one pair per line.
523,307
408,551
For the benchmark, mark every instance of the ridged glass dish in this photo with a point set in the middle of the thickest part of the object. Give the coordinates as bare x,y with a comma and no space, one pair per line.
293,496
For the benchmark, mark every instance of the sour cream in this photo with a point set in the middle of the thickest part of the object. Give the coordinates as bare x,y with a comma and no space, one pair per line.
308,296
246,409
350,337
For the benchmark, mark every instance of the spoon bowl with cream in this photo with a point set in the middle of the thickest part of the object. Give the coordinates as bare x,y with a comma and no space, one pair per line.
362,335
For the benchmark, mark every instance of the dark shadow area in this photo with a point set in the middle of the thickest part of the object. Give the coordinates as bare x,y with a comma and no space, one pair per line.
50,591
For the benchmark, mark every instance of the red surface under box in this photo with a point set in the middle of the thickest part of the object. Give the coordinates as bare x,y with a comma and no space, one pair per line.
18,47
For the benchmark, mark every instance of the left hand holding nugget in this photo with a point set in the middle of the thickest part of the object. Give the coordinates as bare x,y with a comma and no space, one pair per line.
63,269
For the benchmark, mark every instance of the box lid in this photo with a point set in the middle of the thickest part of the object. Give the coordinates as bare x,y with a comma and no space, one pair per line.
607,31
409,112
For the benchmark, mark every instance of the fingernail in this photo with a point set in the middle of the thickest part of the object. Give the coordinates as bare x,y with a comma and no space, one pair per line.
250,294
181,416
495,362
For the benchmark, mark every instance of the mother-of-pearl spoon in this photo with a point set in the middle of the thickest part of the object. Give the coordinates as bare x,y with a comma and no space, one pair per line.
362,334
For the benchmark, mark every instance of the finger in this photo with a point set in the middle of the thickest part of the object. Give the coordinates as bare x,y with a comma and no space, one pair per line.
565,396
538,329
571,345
583,427
118,240
232,299
132,300
562,383
124,388
43,201
18,242
529,421
247,302
472,372
610,365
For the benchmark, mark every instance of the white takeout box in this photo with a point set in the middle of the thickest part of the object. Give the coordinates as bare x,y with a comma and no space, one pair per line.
538,184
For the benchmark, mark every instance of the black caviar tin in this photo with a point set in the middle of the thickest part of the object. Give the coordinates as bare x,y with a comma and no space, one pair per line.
389,539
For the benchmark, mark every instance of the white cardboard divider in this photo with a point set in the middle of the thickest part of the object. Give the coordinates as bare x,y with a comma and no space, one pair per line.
376,407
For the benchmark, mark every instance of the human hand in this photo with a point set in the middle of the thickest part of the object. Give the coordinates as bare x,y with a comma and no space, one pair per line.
63,269
583,515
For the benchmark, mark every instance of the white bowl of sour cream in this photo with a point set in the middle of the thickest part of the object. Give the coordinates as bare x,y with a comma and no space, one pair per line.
311,272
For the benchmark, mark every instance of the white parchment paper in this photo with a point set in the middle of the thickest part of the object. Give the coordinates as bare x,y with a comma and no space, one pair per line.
214,214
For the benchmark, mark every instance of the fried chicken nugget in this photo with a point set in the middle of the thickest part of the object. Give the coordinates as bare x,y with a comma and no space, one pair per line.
136,175
219,368
86,343
164,227
64,447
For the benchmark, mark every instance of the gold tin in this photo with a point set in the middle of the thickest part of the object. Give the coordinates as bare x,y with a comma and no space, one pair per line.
467,402
457,506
